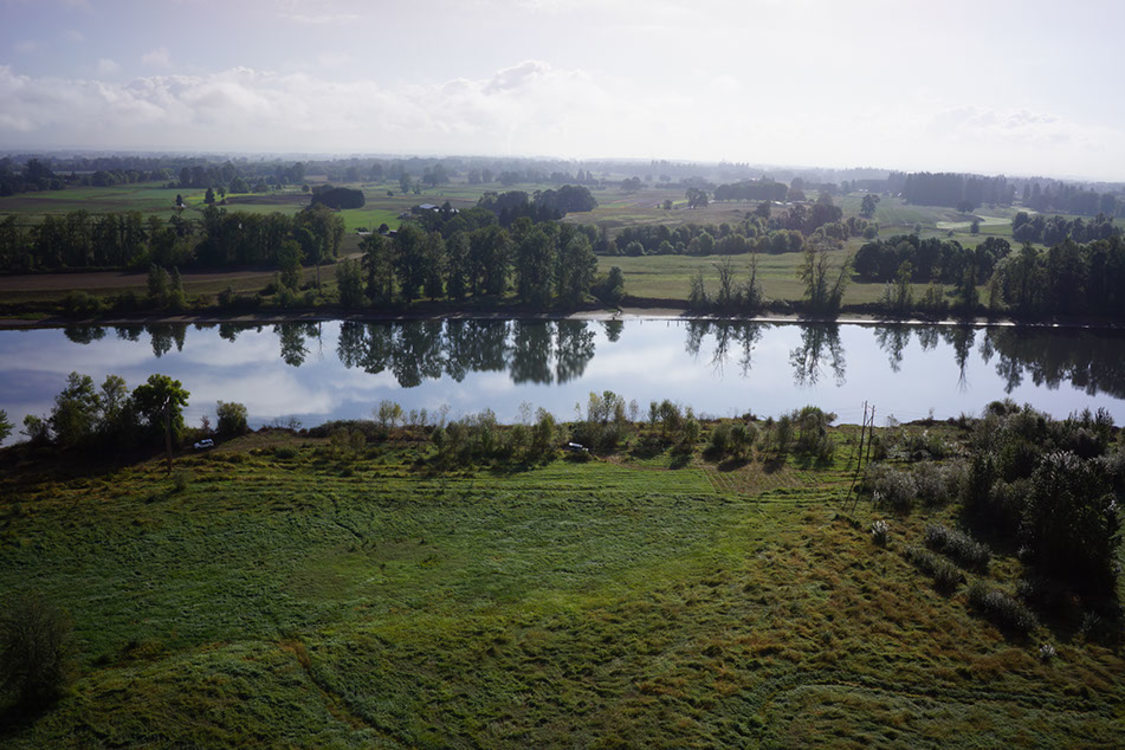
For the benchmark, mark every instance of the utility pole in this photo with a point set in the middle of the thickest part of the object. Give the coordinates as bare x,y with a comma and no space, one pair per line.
168,430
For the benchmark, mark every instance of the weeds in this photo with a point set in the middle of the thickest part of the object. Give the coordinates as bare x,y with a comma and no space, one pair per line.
947,576
1003,611
959,546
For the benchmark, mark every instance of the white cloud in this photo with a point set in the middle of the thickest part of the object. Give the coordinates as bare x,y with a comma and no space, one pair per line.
321,19
74,36
536,108
26,47
107,66
157,58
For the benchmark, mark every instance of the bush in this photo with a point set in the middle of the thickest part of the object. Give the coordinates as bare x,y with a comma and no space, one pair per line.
35,651
896,490
1070,523
939,485
946,575
1006,613
232,418
958,545
879,531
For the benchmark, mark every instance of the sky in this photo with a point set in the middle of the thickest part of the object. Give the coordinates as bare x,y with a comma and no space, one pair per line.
988,86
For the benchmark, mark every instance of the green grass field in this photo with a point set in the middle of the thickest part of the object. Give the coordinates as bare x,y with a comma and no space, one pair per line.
290,595
654,277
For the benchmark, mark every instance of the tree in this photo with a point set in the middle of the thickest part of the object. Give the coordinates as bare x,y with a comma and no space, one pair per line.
232,419
696,198
697,296
160,402
434,261
824,295
611,290
1070,523
349,283
867,208
409,261
378,268
209,197
289,261
576,267
535,262
35,651
158,284
5,425
75,414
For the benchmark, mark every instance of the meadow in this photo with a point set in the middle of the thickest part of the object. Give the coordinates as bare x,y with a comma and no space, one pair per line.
283,590
658,279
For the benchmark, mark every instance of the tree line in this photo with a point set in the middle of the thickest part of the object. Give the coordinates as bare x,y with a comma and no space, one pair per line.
217,238
1069,278
545,264
1054,229
763,230
964,192
1070,198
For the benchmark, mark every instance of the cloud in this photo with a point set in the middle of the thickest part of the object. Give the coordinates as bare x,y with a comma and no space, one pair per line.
157,58
74,36
321,19
107,66
26,47
536,108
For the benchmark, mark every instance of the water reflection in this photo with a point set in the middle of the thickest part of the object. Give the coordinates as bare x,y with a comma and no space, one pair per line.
729,336
820,348
559,352
1086,360
541,352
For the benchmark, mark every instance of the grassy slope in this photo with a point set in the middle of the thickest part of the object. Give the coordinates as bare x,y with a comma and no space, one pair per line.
356,601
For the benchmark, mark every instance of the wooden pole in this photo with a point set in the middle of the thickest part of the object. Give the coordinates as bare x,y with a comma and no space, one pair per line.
168,431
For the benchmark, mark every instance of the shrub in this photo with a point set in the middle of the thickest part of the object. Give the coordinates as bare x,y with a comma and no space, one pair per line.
285,452
959,546
879,531
719,443
1001,610
1070,523
939,484
35,651
894,489
232,418
181,480
946,575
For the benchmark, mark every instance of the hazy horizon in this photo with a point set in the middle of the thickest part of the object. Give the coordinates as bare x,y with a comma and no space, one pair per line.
1007,88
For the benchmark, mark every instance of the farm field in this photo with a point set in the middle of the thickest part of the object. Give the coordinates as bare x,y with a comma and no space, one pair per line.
653,279
282,590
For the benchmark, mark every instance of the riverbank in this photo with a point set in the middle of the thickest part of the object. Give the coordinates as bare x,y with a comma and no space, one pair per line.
630,312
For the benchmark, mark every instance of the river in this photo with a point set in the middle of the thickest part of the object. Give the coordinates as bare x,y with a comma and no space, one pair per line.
312,372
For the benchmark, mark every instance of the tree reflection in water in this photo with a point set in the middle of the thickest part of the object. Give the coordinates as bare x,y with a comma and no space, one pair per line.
893,339
545,352
820,346
531,351
1049,356
728,335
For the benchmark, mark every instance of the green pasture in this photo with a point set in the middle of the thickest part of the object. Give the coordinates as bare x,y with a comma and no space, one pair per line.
668,277
279,591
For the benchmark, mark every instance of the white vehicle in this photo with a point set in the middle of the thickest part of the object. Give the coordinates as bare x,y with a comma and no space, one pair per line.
205,443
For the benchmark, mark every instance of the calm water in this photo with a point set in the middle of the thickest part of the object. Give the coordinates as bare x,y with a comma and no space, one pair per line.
316,372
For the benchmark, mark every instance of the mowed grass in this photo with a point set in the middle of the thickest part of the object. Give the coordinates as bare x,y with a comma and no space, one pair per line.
290,595
668,277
